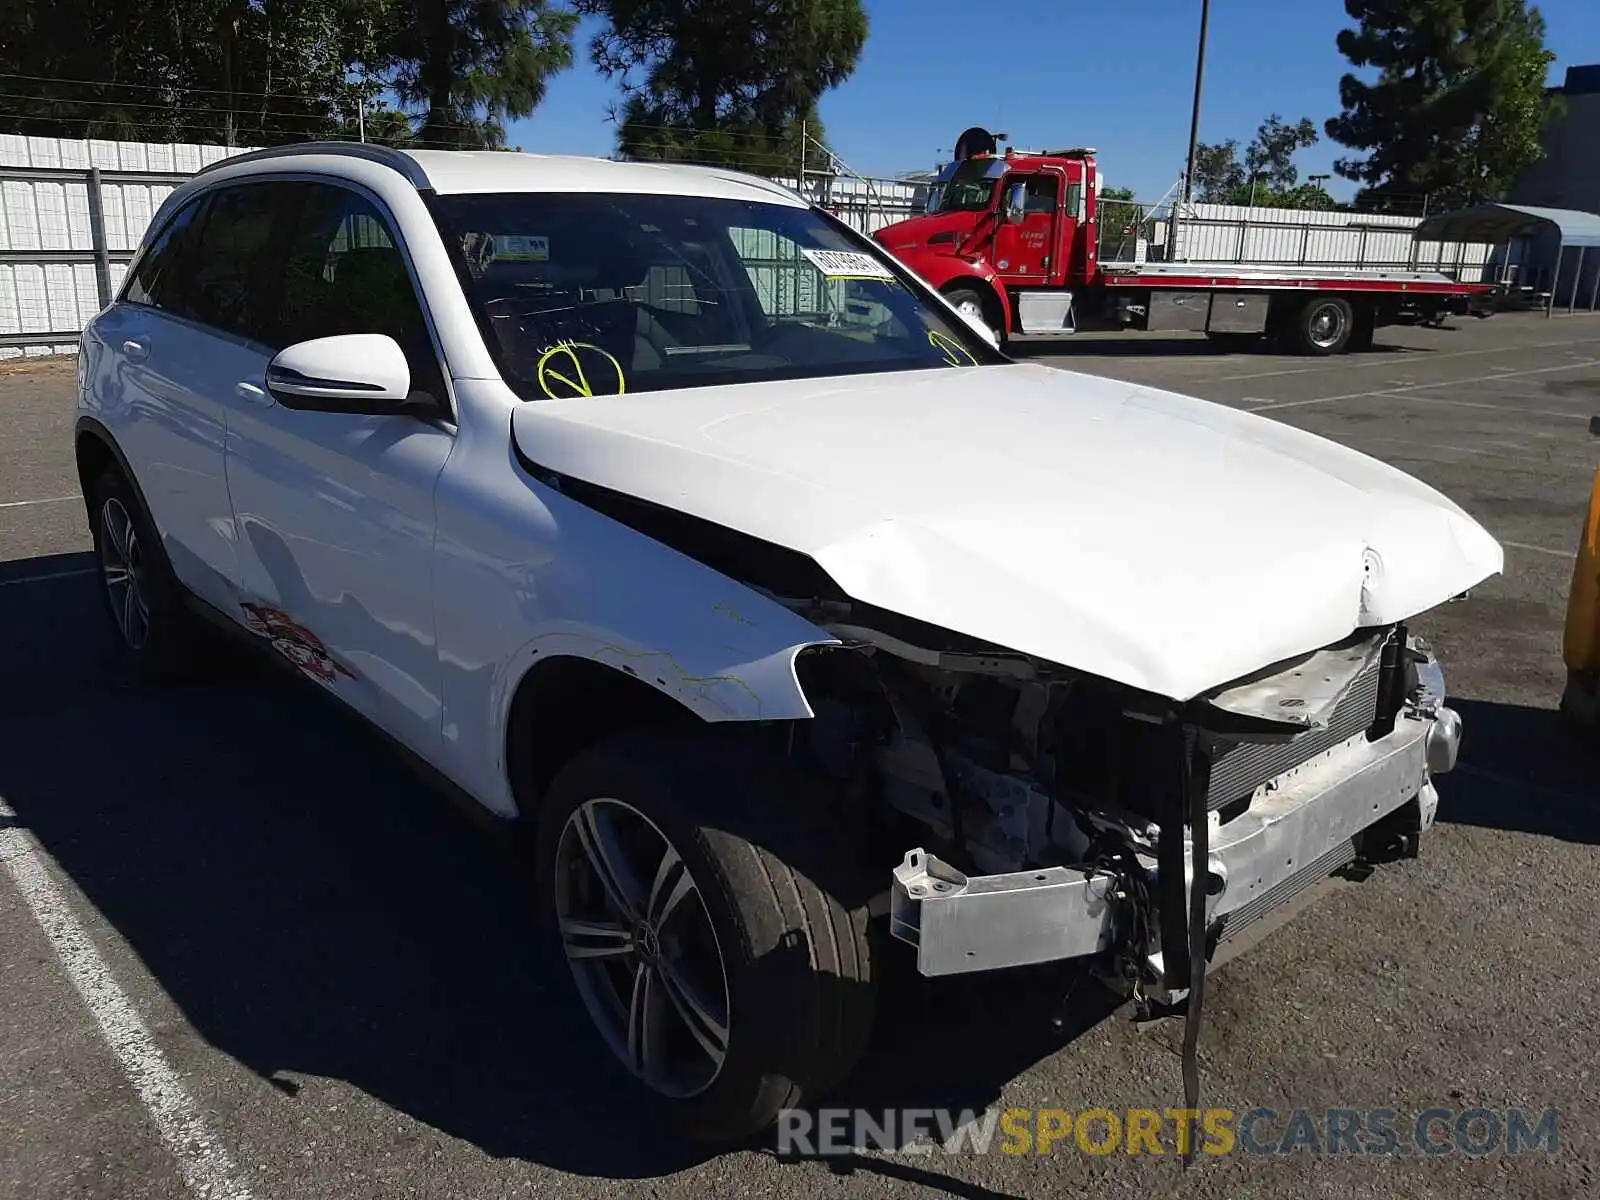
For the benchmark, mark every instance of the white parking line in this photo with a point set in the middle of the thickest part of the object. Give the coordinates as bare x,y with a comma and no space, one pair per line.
46,500
1386,361
204,1163
1539,549
1417,387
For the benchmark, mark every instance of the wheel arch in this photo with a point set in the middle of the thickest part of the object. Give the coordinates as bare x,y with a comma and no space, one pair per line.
565,703
996,304
94,450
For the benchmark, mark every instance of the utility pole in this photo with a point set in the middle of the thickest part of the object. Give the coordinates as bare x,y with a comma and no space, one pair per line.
1199,83
361,117
803,160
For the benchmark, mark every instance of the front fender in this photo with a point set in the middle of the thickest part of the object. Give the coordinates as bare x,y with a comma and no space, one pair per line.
527,573
945,271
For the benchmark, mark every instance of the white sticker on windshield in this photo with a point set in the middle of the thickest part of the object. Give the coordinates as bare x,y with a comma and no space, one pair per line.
523,248
847,264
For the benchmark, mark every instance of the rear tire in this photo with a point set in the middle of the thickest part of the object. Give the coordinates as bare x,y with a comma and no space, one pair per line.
144,600
774,881
1322,326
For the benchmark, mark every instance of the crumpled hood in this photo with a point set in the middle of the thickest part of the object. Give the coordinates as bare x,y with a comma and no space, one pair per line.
1164,542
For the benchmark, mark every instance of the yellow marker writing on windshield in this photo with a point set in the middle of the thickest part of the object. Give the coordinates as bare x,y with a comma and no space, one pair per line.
954,352
571,379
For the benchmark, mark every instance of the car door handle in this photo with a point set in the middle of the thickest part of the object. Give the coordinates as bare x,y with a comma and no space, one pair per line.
135,350
246,390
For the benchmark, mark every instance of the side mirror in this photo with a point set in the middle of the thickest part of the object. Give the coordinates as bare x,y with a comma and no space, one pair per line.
1016,203
350,373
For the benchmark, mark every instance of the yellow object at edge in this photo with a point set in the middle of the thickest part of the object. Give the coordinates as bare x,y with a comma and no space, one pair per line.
1581,642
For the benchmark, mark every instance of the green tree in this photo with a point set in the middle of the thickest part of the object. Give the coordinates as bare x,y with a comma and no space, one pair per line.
1309,195
1116,193
1269,160
471,64
229,71
1455,102
263,72
725,81
1218,173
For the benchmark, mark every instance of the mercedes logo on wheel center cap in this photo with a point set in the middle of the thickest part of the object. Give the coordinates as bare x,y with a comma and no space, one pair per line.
645,941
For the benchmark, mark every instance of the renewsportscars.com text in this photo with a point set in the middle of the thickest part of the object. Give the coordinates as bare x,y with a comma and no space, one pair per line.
1260,1132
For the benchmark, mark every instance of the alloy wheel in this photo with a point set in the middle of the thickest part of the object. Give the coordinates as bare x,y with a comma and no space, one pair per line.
122,566
641,946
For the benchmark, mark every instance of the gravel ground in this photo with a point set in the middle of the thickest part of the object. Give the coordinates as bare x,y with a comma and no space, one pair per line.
336,964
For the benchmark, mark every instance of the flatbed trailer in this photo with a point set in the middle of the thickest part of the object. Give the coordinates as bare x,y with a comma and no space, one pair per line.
1017,240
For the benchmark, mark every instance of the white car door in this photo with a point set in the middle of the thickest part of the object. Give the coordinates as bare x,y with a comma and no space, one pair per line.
165,358
335,510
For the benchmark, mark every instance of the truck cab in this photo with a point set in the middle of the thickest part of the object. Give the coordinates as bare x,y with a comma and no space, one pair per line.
998,223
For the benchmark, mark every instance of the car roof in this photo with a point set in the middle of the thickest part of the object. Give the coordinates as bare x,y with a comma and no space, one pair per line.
461,172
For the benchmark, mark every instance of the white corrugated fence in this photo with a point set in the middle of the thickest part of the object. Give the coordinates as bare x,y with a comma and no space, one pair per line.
50,267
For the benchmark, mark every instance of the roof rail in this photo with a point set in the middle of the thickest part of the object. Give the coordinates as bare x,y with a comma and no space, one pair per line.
387,156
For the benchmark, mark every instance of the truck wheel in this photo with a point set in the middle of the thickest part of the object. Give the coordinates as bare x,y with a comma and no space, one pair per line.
713,922
1322,326
972,302
143,598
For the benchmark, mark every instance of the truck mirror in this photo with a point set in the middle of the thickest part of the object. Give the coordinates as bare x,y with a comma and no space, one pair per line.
1016,203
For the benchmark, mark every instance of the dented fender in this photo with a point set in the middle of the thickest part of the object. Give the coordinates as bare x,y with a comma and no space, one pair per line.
536,574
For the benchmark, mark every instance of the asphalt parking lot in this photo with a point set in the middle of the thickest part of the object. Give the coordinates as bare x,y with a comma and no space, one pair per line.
320,976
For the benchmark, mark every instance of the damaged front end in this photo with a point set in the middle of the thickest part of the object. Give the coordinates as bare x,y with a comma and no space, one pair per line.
1064,817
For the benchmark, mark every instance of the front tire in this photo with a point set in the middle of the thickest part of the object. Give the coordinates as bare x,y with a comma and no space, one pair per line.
973,303
143,599
713,921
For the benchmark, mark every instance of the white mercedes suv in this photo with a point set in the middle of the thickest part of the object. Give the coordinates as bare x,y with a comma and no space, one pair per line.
669,519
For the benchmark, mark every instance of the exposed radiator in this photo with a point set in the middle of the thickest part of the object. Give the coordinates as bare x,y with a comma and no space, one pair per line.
1239,769
1241,919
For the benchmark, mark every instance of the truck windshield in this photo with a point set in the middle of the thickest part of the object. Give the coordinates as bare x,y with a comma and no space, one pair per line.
585,294
969,190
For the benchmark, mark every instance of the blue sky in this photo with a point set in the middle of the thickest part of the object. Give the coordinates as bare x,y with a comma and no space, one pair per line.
1118,76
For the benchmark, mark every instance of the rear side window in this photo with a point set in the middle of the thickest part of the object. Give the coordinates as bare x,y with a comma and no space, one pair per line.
344,273
230,287
167,263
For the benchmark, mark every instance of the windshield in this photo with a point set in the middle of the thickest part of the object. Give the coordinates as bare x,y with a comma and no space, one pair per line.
969,190
584,294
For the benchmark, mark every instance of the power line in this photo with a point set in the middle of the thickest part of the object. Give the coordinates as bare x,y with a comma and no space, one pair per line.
249,117
160,87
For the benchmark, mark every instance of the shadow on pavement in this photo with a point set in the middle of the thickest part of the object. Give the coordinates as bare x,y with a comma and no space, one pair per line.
1523,769
315,910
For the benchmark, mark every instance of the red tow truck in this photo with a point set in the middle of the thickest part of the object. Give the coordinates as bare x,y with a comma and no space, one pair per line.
1017,240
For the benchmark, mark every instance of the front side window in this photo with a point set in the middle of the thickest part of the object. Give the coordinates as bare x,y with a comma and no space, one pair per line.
596,294
344,273
1039,192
